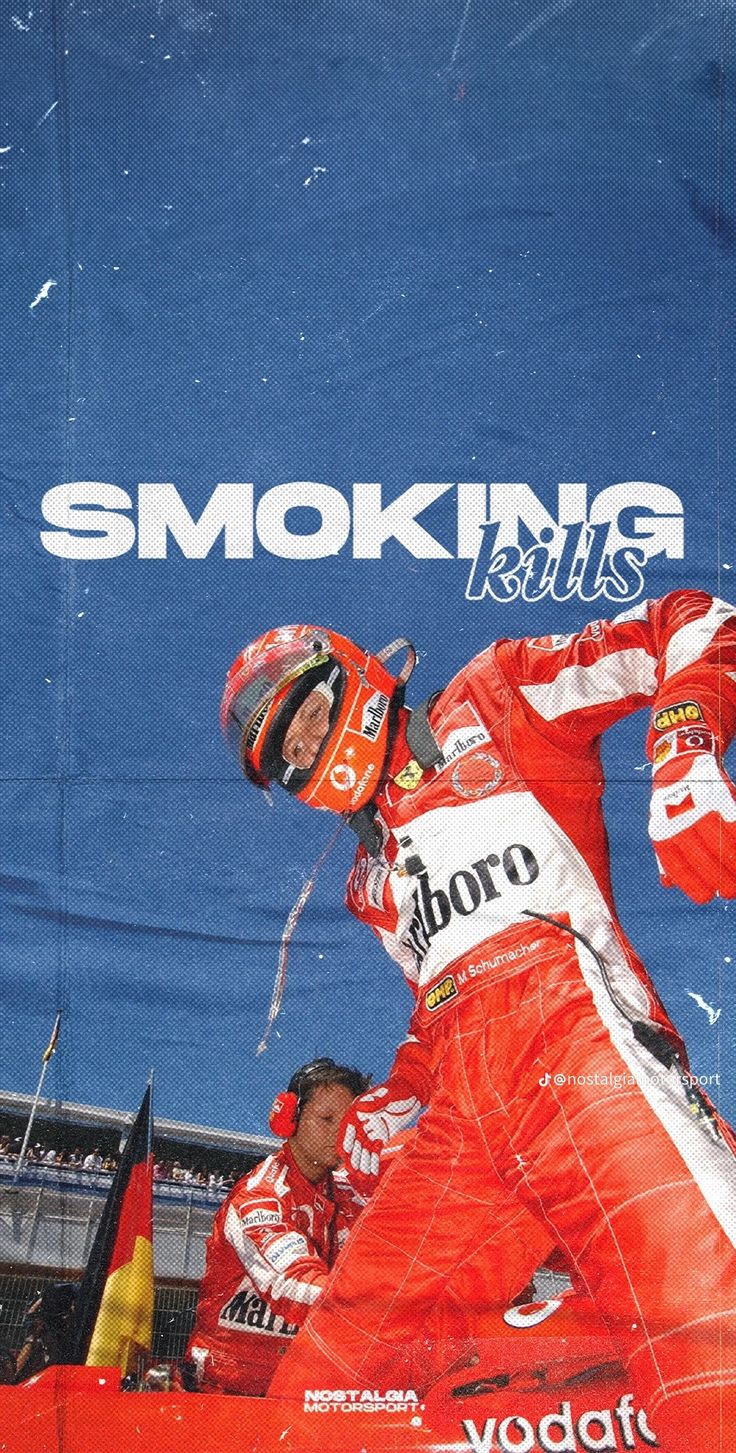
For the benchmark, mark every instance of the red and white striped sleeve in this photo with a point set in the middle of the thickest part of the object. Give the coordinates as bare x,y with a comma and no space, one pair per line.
677,654
283,1263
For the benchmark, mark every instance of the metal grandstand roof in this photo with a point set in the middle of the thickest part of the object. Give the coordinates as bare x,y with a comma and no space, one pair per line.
65,1111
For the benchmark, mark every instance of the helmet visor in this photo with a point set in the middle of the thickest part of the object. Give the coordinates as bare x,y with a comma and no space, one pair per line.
294,731
262,679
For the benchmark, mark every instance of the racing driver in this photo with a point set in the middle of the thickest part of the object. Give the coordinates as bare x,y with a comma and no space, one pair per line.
557,1089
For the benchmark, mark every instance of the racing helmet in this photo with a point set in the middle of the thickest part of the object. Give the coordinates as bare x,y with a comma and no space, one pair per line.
274,675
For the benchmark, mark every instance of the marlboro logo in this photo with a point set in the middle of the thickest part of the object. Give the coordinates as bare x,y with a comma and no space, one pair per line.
373,714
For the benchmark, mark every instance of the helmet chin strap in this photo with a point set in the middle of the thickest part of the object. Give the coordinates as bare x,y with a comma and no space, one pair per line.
400,644
363,824
420,737
419,734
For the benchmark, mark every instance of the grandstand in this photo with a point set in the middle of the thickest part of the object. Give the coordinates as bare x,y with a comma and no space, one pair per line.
49,1211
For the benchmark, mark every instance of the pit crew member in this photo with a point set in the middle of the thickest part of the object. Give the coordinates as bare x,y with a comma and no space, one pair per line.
275,1237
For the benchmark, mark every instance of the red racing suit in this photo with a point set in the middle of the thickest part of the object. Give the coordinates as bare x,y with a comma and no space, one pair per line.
268,1255
546,1108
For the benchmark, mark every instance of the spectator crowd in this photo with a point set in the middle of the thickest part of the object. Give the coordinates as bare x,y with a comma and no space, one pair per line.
48,1155
202,1177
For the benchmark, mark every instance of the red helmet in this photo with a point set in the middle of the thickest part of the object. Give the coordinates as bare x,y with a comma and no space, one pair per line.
267,684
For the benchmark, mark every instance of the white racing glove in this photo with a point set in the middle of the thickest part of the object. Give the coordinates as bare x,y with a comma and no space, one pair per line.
371,1121
692,820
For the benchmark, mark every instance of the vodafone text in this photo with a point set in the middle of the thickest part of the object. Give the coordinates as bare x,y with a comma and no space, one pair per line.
597,545
600,1430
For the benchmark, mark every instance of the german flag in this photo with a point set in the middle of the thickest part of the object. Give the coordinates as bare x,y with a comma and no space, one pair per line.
114,1308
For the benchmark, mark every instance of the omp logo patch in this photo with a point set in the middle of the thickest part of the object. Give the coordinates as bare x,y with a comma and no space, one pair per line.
441,993
681,714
